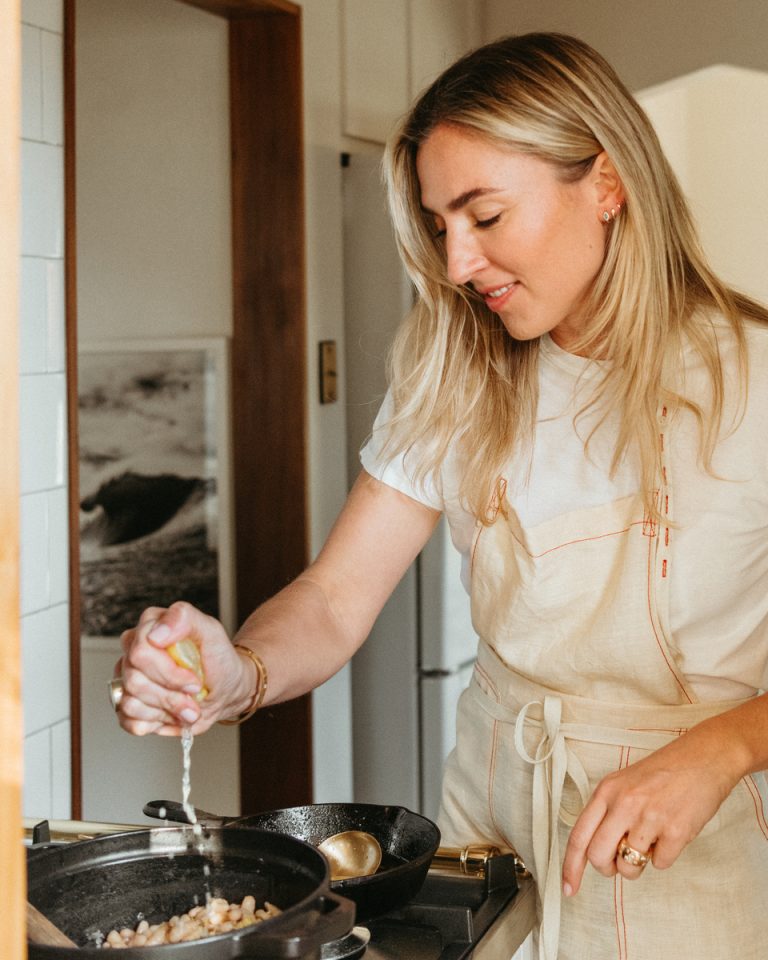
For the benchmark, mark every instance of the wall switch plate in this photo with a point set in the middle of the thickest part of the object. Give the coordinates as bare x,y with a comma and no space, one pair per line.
328,372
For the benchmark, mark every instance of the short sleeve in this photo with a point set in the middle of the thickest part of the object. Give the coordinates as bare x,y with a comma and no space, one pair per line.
398,471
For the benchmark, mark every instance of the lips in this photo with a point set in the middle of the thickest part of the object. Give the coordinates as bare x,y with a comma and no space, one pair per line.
496,297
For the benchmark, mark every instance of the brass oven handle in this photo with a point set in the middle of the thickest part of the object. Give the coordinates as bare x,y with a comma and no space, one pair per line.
470,861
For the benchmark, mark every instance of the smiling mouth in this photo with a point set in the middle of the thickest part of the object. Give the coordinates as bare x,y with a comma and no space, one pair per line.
498,292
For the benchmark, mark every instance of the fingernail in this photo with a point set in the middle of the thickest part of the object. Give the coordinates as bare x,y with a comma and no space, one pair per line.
193,688
189,715
159,632
567,890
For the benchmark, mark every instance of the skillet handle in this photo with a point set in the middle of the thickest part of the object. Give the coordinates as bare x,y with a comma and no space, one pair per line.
173,810
328,917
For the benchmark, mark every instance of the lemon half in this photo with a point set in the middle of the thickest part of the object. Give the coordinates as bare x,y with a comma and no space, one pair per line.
186,653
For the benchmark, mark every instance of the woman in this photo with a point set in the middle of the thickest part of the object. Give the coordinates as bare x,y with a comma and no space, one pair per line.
582,397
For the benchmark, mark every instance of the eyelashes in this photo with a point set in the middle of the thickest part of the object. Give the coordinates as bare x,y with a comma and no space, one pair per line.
480,224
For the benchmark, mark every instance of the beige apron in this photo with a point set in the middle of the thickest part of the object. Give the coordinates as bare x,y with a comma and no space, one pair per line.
576,677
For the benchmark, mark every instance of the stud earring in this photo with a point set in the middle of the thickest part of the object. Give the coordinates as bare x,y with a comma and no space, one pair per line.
611,214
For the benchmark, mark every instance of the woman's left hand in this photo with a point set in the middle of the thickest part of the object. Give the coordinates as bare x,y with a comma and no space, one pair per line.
659,804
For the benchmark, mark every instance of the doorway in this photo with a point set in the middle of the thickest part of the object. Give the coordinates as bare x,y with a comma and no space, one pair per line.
267,369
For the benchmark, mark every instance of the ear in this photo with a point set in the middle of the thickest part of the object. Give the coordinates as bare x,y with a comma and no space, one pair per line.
609,190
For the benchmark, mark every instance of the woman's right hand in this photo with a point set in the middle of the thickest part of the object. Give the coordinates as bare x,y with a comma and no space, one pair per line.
158,695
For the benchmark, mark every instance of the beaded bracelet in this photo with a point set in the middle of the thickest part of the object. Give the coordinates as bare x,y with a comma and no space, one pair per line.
258,693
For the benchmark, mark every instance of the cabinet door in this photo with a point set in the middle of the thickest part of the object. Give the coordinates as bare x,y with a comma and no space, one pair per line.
376,74
440,33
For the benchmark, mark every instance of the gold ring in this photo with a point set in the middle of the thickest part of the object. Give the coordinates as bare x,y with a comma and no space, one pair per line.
631,855
116,692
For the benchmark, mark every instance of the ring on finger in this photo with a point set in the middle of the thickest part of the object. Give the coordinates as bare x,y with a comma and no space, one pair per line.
116,692
633,856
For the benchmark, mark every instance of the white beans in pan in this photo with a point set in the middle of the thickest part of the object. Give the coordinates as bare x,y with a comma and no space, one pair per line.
218,916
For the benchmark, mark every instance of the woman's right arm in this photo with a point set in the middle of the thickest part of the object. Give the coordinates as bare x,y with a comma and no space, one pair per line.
304,634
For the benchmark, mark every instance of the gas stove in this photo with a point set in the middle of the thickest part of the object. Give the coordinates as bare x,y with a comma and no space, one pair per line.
480,906
455,916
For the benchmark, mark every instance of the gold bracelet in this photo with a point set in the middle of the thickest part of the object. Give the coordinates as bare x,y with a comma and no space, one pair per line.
258,693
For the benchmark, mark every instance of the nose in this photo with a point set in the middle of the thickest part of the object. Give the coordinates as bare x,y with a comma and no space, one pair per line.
464,257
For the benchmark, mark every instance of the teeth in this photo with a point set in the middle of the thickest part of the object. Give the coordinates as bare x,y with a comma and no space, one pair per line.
493,294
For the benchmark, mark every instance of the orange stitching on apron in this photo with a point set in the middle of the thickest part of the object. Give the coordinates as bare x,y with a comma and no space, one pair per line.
757,799
678,731
659,644
491,777
484,674
571,543
478,534
492,762
618,886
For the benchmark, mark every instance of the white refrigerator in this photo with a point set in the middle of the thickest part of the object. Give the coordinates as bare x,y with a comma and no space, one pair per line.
409,674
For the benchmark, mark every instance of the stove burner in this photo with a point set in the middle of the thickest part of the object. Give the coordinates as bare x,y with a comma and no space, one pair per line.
347,948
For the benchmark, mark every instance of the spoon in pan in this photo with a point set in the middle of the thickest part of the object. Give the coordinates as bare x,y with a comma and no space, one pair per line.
351,853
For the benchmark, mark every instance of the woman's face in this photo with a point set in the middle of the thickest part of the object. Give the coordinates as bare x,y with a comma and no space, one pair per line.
528,243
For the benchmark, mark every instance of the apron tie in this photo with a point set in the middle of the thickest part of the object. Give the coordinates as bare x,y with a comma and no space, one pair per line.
552,762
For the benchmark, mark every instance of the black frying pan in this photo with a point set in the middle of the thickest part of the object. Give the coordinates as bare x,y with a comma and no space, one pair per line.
408,843
101,884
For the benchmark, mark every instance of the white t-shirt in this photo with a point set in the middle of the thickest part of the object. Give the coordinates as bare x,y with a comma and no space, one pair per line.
719,551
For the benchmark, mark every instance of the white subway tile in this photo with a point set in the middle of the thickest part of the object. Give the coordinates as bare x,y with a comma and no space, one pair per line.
42,424
36,793
61,771
31,83
43,328
58,538
42,199
35,579
55,316
53,87
48,14
33,332
45,667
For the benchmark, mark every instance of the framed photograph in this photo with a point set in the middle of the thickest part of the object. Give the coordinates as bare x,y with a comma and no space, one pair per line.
155,489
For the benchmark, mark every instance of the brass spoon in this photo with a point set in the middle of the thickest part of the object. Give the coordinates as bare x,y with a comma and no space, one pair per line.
351,853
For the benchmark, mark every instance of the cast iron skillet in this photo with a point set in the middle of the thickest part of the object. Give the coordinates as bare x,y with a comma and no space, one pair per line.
96,885
408,843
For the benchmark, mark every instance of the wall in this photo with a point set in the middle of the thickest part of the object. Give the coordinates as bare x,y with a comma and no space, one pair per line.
699,118
647,42
43,466
153,191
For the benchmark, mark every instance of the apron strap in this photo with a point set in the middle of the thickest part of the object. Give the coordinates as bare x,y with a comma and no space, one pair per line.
553,761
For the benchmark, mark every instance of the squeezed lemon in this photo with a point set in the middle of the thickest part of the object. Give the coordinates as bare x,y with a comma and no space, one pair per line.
186,653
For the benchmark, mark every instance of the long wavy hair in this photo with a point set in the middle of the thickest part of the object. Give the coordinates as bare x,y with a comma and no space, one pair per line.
459,380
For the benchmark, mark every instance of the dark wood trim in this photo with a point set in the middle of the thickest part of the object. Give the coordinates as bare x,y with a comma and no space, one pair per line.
233,9
268,372
73,481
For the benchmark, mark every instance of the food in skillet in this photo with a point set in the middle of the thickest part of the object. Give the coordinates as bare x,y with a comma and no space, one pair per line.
218,916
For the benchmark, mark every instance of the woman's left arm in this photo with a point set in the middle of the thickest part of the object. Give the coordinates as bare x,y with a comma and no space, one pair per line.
665,799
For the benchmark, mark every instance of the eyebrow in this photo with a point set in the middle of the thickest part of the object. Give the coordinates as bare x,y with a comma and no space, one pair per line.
464,198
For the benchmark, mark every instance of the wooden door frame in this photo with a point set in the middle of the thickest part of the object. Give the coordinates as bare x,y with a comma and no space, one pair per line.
268,366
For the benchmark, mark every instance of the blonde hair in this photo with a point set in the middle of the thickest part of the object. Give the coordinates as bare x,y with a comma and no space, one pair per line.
456,375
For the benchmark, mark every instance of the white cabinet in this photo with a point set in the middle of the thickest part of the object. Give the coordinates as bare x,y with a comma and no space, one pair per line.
391,51
375,71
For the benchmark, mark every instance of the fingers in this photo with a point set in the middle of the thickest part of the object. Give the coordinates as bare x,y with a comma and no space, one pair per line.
158,695
577,851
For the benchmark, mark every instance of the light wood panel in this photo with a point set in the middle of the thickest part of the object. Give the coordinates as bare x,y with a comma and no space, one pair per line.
12,866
